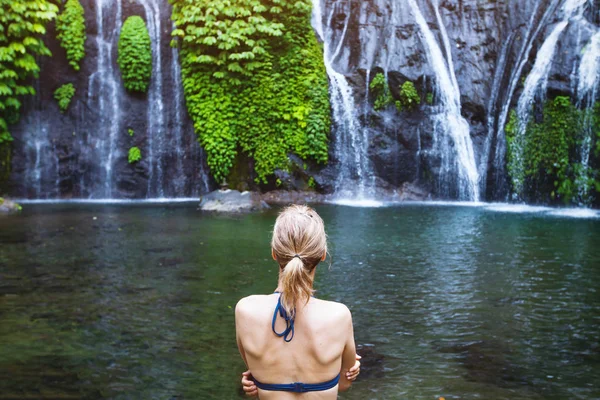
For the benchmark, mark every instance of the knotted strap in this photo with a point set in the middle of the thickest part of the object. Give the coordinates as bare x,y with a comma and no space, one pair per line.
289,322
298,387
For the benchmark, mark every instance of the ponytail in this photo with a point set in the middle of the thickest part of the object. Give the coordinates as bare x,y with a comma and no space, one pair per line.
296,282
299,243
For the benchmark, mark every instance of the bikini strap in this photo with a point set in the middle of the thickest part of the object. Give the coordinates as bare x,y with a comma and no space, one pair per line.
289,322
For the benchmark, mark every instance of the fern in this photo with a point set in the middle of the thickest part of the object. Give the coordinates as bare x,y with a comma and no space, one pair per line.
63,96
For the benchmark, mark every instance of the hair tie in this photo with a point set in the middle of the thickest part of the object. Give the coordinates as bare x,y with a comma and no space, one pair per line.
296,255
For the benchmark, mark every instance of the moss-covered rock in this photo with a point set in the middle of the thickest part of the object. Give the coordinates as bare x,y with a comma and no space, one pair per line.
9,207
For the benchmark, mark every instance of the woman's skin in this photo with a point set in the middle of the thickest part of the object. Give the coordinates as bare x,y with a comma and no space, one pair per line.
322,347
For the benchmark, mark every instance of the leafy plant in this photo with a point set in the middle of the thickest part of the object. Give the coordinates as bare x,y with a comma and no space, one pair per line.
135,54
71,32
409,98
429,98
22,25
63,96
135,155
381,90
544,159
254,82
130,132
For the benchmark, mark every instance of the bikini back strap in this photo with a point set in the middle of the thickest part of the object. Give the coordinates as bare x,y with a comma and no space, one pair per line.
288,333
298,387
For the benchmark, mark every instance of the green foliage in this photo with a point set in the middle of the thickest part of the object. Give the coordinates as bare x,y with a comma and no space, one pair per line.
63,96
130,132
70,26
22,23
311,183
409,98
380,88
548,155
135,54
254,81
429,98
234,38
135,155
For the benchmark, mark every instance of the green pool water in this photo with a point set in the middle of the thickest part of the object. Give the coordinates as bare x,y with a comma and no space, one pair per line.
136,301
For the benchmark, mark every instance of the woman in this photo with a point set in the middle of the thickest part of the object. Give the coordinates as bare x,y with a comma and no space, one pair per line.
290,341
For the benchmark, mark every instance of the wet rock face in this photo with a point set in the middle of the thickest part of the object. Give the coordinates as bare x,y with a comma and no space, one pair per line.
485,42
59,155
232,201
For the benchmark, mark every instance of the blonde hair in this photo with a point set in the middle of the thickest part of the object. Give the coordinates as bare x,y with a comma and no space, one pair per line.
299,243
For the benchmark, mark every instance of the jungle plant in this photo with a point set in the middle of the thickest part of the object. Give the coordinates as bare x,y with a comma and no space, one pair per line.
63,96
429,98
70,25
135,155
22,23
544,156
381,90
409,98
130,132
135,54
254,82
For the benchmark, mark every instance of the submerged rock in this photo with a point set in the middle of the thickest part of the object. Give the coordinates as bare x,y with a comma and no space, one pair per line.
232,201
9,207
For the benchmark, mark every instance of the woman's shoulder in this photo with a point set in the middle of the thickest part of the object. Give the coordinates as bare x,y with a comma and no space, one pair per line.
250,304
334,310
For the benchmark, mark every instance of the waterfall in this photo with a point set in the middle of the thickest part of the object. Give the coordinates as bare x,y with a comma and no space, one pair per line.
492,112
531,34
587,92
452,139
105,92
156,119
536,84
355,176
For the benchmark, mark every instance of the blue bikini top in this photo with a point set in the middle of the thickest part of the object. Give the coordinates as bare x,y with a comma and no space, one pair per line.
289,322
296,387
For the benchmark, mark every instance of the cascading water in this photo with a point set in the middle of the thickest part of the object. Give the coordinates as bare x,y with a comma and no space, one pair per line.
451,131
355,176
104,95
83,152
535,85
531,34
156,117
587,92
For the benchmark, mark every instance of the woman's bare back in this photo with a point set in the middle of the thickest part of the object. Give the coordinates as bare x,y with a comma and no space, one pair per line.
323,344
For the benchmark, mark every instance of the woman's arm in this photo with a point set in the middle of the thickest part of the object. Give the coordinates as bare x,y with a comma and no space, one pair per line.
348,356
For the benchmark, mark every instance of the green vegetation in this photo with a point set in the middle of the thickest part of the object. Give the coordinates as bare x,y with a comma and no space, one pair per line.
70,26
254,82
22,23
429,98
135,54
130,132
135,155
63,96
380,88
543,158
409,97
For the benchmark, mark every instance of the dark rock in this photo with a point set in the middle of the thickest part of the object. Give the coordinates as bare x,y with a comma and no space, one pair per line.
371,363
232,201
8,206
293,197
